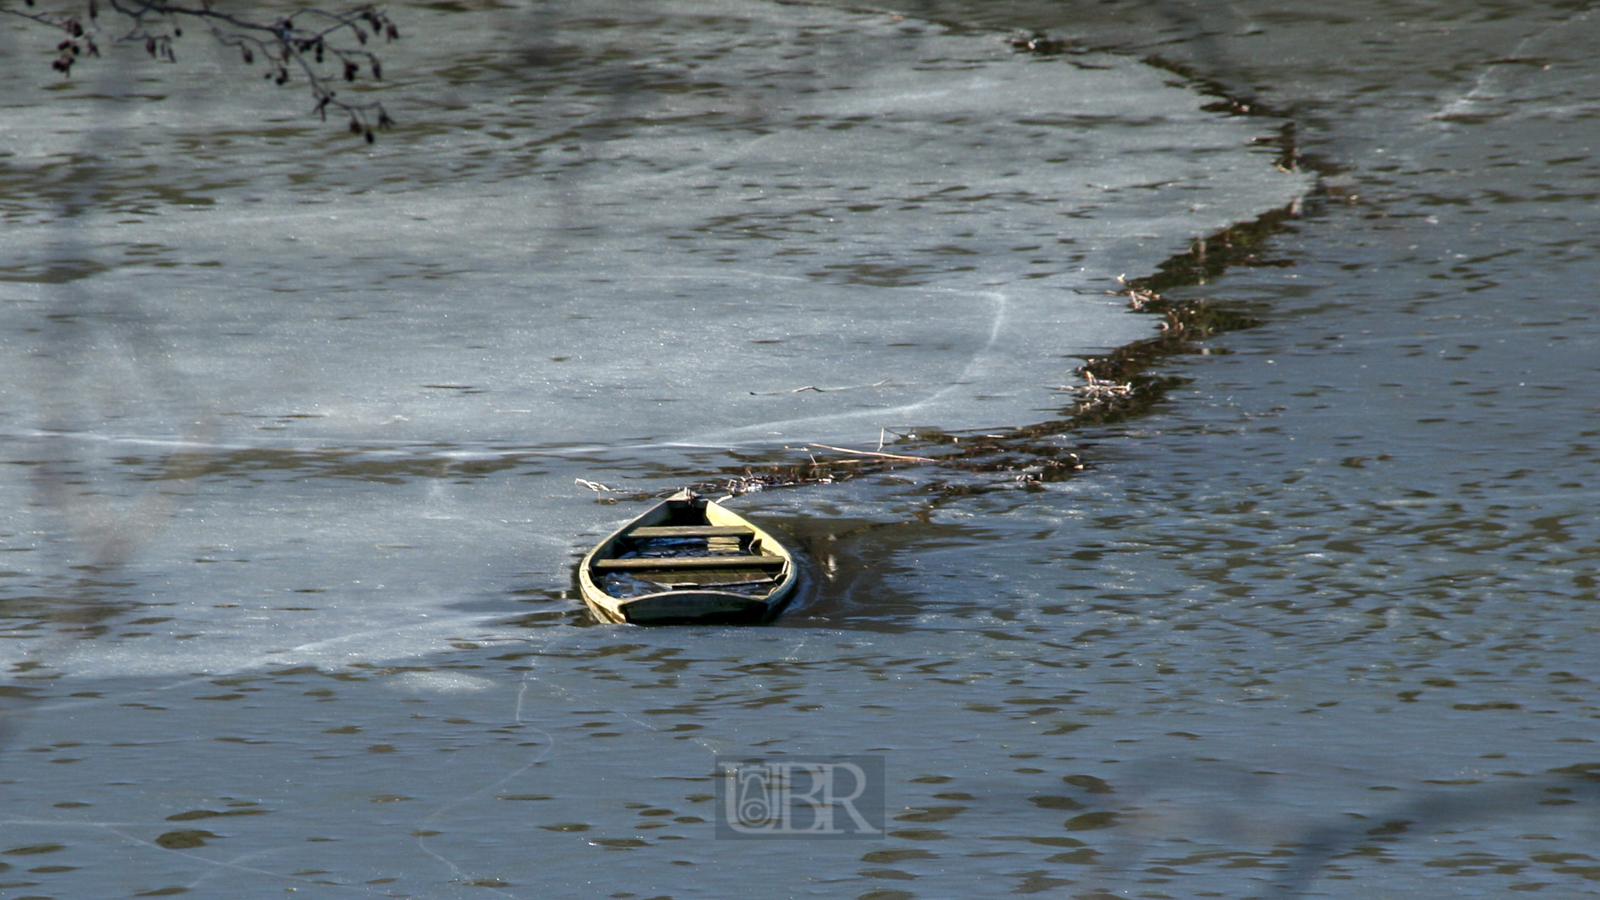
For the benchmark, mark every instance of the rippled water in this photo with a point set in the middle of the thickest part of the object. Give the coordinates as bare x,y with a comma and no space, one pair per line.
1321,623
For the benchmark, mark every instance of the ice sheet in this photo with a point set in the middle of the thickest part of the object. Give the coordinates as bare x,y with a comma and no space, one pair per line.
306,394
921,225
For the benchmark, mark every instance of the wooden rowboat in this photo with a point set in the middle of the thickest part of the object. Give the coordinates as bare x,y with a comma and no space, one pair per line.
687,560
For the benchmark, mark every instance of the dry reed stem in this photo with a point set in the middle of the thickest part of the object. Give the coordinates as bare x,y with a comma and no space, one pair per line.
874,454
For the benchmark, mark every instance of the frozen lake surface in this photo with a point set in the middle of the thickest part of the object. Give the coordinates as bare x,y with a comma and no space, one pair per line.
293,427
617,247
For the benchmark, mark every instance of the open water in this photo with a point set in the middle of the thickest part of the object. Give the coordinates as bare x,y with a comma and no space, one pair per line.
1320,622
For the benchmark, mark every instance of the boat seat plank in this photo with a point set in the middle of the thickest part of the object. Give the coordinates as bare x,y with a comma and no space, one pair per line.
686,562
691,531
719,579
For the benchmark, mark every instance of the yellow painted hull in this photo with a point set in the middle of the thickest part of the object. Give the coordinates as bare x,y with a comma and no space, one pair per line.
676,589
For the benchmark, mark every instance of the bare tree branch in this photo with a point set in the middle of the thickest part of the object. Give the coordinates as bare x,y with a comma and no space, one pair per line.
318,45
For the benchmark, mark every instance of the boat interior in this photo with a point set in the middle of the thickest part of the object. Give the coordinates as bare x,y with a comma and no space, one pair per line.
683,551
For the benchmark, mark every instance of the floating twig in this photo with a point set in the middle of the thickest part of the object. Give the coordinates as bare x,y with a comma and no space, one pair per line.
875,454
1102,390
750,484
820,390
